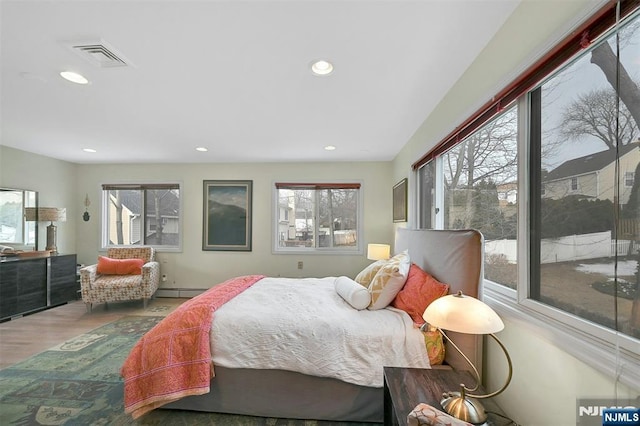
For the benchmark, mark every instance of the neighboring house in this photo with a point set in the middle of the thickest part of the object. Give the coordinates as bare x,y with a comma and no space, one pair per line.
286,220
593,175
127,225
295,224
507,193
132,224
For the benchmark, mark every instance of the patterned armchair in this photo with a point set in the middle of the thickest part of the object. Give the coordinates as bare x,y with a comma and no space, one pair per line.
97,288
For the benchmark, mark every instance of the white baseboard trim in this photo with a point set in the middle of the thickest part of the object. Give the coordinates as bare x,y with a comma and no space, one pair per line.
179,292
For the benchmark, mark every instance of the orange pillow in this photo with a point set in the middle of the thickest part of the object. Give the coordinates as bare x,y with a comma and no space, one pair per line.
109,266
418,292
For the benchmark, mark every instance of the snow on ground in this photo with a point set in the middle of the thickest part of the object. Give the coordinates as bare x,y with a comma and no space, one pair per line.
625,267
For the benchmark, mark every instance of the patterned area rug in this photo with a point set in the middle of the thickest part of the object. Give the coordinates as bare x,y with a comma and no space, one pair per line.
78,383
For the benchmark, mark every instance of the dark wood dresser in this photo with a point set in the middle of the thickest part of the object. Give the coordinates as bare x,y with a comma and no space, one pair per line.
32,284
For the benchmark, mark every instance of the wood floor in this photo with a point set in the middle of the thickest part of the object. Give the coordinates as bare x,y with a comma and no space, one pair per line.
23,337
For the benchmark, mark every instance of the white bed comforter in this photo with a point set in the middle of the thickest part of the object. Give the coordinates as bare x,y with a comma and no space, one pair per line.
303,325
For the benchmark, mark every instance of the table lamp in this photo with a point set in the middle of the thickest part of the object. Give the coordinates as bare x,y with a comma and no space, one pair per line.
47,214
378,251
466,314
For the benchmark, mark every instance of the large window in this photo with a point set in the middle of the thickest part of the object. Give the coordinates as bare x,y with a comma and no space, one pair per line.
426,185
480,191
588,140
14,229
141,214
553,184
318,217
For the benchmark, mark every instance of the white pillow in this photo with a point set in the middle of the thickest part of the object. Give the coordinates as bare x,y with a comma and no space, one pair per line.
353,293
389,280
366,275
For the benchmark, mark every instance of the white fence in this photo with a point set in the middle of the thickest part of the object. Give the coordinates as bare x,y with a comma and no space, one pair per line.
623,248
564,249
507,248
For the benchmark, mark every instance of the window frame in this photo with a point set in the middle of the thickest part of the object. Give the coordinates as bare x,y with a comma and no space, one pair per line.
276,249
104,216
593,344
628,179
606,350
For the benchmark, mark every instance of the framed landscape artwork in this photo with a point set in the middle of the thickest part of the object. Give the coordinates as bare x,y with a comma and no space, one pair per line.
227,215
400,201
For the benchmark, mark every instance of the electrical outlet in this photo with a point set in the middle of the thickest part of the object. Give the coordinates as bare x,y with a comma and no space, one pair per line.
300,264
164,278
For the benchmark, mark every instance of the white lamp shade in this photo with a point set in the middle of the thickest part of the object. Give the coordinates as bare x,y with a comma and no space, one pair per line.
378,251
463,314
45,214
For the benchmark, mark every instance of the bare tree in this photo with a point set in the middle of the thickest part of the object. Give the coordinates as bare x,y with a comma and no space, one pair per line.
595,114
303,202
604,58
489,154
337,211
158,196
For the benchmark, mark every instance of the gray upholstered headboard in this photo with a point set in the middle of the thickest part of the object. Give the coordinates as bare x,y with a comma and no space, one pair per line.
454,257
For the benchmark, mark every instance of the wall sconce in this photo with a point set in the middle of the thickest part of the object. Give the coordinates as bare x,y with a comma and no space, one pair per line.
87,203
47,214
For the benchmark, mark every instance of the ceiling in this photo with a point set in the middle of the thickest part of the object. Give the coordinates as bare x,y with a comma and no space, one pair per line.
232,76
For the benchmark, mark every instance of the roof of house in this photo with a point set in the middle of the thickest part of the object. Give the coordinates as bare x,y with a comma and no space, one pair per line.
588,163
169,205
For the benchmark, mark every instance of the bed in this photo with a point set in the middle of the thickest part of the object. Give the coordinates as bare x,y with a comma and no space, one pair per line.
452,257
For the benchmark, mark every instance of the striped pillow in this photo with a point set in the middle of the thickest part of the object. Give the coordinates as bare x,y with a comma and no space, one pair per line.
366,275
389,280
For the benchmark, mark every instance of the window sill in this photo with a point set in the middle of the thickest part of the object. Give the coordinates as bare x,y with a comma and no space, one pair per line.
614,355
310,251
159,249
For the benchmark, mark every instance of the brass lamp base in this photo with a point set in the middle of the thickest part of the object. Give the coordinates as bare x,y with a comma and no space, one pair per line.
52,233
464,405
464,408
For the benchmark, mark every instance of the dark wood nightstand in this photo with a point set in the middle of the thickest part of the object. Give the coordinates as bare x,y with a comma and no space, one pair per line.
404,388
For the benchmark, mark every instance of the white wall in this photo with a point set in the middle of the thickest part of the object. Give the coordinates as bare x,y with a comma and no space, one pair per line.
63,184
533,28
55,181
195,268
547,381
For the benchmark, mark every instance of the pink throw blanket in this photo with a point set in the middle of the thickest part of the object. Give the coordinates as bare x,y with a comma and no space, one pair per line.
173,359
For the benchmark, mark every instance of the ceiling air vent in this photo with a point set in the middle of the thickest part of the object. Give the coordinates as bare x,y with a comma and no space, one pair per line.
99,54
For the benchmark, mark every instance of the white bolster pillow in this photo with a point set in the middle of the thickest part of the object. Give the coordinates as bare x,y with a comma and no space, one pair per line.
353,293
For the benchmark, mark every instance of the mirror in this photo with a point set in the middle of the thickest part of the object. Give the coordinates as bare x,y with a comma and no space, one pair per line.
14,229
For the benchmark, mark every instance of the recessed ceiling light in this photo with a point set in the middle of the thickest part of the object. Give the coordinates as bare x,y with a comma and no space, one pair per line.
89,150
321,67
74,77
329,148
202,149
